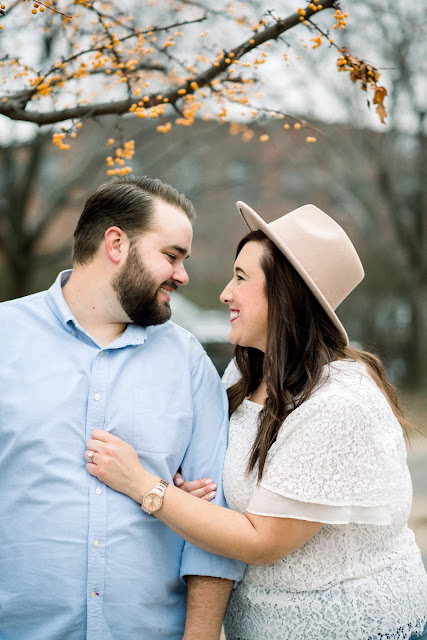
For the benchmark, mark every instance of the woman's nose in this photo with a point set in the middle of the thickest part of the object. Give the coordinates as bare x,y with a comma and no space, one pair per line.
226,296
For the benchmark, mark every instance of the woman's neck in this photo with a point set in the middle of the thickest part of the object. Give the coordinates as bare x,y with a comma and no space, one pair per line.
260,394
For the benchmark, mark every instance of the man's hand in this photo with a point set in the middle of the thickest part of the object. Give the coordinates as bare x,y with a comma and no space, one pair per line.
204,488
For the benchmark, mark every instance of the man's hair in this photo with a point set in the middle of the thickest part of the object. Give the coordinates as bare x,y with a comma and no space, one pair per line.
127,203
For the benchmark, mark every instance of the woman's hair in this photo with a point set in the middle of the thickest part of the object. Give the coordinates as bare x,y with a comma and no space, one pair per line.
301,340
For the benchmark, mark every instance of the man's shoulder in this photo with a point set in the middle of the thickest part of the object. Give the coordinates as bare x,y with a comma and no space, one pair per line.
24,304
174,331
180,344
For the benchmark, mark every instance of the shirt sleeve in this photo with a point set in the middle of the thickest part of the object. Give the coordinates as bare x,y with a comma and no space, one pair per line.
332,462
204,458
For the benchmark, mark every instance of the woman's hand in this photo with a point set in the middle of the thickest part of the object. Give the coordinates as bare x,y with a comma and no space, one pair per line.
116,463
204,488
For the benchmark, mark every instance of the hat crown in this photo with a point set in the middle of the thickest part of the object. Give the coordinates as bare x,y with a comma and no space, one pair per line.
323,249
319,250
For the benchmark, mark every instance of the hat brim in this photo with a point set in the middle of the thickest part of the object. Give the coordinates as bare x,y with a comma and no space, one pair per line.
255,222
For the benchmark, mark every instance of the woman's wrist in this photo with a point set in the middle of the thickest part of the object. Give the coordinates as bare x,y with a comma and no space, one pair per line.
142,482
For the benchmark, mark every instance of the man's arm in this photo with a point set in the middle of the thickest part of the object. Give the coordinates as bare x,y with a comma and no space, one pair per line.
206,603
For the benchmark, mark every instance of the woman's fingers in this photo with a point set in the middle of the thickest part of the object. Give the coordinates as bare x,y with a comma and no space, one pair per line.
89,455
101,434
94,445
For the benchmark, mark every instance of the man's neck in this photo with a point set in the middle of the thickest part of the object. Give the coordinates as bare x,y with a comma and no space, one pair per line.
94,305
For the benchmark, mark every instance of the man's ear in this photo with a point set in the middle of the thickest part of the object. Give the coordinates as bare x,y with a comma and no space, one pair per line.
116,244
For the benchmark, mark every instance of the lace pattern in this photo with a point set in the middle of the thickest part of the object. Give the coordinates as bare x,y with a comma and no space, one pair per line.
343,448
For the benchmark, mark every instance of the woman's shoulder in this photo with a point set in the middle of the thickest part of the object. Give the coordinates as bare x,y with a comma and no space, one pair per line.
231,374
346,378
346,395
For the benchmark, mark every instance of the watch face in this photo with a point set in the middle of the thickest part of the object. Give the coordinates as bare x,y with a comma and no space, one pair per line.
152,502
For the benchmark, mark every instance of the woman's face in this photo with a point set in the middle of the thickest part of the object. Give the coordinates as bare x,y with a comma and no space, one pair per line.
246,297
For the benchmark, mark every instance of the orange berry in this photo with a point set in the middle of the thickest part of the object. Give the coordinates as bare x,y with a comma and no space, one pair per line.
297,125
286,126
264,138
310,139
41,9
34,11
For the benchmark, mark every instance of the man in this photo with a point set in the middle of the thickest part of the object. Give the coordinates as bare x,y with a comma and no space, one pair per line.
78,560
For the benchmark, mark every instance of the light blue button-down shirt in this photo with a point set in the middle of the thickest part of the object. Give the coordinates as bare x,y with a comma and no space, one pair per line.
78,560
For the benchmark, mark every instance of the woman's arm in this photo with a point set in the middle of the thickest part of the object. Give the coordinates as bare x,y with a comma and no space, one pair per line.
251,538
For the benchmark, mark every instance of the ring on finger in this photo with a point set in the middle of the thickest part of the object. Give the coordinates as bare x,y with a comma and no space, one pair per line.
89,455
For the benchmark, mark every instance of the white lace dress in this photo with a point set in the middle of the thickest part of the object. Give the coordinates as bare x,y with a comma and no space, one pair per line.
339,459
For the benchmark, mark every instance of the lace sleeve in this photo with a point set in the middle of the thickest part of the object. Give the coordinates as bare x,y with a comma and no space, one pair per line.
338,452
231,375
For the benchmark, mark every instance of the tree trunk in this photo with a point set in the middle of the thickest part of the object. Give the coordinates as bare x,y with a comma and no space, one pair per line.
19,280
417,371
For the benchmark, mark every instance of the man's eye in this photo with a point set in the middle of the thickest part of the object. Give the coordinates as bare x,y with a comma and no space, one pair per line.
239,277
171,256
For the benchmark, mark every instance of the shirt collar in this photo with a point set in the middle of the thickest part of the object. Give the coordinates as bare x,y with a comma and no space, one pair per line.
134,334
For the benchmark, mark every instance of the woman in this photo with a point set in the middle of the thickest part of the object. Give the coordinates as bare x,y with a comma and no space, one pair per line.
316,466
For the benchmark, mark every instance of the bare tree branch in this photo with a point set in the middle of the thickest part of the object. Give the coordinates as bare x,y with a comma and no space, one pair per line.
13,107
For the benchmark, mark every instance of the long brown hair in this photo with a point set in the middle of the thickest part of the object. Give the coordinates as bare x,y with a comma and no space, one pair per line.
301,340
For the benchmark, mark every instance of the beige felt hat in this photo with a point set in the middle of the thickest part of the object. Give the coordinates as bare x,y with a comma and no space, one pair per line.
318,248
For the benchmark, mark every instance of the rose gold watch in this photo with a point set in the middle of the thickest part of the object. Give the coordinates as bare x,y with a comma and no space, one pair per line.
153,499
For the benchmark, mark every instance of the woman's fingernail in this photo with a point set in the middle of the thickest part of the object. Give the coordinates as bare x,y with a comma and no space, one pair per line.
179,482
208,481
213,487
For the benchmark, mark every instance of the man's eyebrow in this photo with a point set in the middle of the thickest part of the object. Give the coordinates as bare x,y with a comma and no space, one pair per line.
181,250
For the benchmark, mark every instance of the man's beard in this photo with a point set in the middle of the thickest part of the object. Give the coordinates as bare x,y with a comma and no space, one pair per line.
137,292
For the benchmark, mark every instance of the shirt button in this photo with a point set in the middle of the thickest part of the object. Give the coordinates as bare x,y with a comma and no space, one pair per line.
73,333
93,594
98,490
97,396
101,354
96,543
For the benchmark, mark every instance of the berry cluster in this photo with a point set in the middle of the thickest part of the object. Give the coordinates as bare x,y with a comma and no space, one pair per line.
120,155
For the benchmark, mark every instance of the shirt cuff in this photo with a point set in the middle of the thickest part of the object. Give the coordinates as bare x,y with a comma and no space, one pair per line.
268,503
196,562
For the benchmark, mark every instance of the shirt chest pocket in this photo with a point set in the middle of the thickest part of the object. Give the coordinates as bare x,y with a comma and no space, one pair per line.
161,424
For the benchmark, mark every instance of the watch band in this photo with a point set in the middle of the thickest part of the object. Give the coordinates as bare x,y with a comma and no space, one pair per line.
162,485
158,490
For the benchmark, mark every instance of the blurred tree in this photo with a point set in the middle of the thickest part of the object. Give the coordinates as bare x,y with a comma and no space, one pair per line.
37,190
70,63
382,177
103,58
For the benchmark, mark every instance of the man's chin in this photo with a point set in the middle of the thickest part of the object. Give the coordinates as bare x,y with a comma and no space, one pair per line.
156,319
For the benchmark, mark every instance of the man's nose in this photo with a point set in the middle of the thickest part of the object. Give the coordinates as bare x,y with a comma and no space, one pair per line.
180,275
